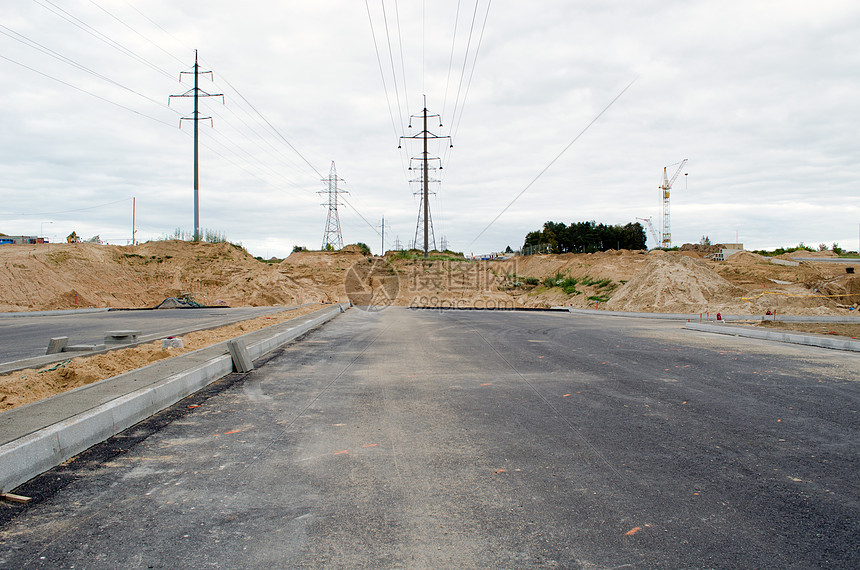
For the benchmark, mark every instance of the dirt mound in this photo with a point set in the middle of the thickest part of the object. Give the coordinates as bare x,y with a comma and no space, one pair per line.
66,276
745,258
804,253
700,248
844,290
325,259
676,284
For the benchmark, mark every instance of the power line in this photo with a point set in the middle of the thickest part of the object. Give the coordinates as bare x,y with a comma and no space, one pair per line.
70,211
85,91
474,63
393,72
541,173
135,31
451,59
154,23
455,127
36,45
381,72
99,35
274,129
402,63
268,123
465,60
19,37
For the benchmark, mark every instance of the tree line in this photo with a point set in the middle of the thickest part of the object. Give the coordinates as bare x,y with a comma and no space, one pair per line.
586,237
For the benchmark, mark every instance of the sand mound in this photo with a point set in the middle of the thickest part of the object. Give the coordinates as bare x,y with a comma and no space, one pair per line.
69,276
66,276
675,284
745,258
845,290
325,259
804,253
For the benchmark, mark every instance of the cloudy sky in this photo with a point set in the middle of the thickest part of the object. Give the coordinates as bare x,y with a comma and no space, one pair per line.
762,97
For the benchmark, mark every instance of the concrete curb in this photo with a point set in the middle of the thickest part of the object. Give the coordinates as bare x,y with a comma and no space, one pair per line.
662,316
713,318
793,338
44,360
52,313
36,452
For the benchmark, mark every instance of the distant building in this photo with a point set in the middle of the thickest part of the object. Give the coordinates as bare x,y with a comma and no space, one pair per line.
21,240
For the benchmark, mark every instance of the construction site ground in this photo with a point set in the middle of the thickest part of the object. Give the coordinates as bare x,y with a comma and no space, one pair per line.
25,386
475,439
70,276
847,330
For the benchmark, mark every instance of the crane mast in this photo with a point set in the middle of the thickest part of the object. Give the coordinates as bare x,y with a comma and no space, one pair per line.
652,231
666,186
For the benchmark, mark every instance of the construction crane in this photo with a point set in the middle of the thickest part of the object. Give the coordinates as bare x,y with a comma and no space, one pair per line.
665,187
652,230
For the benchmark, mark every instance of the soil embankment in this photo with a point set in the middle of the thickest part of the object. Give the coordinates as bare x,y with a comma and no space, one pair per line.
67,276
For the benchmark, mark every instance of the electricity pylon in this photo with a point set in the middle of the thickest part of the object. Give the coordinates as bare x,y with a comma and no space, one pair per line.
424,211
196,92
332,238
425,219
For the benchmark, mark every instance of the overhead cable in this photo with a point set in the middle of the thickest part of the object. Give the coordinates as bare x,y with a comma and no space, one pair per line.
547,167
85,91
98,35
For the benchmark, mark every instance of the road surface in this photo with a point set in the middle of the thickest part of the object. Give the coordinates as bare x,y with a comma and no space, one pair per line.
27,337
427,439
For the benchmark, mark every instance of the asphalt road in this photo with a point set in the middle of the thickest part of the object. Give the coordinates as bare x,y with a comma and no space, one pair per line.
457,439
26,337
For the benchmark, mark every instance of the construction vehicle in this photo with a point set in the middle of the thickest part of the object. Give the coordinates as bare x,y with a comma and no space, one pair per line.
73,238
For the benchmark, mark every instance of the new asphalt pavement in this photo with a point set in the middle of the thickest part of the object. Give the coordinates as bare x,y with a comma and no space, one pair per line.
475,439
26,336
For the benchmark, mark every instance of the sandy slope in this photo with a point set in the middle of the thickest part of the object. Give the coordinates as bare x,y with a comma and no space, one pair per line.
64,276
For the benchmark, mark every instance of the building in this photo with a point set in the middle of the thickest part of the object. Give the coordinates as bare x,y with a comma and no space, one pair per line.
21,240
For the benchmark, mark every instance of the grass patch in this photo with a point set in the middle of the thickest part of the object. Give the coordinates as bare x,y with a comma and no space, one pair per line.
418,255
563,282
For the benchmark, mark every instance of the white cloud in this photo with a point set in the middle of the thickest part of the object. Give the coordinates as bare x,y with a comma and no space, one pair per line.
759,95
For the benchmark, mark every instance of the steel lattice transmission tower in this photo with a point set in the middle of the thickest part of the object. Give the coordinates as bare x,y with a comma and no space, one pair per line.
332,236
424,178
196,92
423,204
